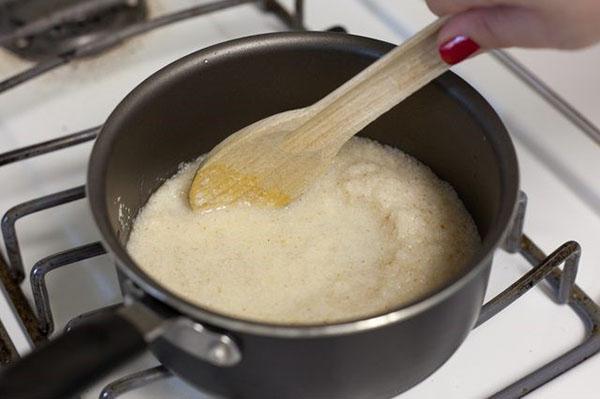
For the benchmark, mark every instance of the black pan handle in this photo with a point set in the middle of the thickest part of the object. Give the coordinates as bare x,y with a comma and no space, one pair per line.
65,366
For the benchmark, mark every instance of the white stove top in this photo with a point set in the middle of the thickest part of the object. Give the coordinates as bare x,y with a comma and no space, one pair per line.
560,169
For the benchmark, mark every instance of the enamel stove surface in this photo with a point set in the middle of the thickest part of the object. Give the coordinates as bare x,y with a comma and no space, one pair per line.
560,171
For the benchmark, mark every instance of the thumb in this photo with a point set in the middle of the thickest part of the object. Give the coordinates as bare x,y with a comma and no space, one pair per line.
491,27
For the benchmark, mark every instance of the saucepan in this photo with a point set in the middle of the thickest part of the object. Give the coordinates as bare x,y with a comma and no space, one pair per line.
187,108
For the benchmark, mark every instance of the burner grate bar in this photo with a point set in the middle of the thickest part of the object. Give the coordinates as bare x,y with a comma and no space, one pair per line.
10,218
552,370
294,21
76,321
49,146
108,40
134,381
548,94
46,265
30,73
587,310
14,292
8,352
75,11
22,308
568,253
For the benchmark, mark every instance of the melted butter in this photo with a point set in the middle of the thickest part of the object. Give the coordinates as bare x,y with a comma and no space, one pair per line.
217,186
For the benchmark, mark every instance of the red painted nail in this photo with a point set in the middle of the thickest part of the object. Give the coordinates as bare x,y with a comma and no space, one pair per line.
457,49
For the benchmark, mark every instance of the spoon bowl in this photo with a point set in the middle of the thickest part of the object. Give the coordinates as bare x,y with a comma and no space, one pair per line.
273,161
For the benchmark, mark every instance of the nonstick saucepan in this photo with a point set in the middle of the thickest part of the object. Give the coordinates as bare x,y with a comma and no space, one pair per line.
187,108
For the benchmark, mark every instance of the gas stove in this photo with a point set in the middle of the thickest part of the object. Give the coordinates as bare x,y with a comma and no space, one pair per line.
63,70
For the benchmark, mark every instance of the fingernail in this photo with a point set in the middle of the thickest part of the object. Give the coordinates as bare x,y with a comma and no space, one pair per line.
457,49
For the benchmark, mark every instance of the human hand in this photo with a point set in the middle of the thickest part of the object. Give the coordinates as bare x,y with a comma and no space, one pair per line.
474,24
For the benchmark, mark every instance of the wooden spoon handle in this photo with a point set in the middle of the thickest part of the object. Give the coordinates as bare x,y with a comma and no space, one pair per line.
374,91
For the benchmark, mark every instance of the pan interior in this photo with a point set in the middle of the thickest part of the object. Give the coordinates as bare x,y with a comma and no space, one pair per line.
193,104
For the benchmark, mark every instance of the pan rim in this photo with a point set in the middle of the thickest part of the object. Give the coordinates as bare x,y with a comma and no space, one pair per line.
501,143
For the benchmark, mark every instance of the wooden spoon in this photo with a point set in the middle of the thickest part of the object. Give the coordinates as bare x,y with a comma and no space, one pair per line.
273,161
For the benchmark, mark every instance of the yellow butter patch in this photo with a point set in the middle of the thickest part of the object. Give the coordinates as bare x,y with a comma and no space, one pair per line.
216,186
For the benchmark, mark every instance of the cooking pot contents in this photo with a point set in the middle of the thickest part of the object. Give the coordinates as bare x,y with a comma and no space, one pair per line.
377,231
274,161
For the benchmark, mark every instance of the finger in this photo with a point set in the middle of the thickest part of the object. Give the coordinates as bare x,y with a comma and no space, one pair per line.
448,7
497,27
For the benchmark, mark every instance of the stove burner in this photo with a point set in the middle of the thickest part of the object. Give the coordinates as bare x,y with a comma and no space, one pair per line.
40,29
